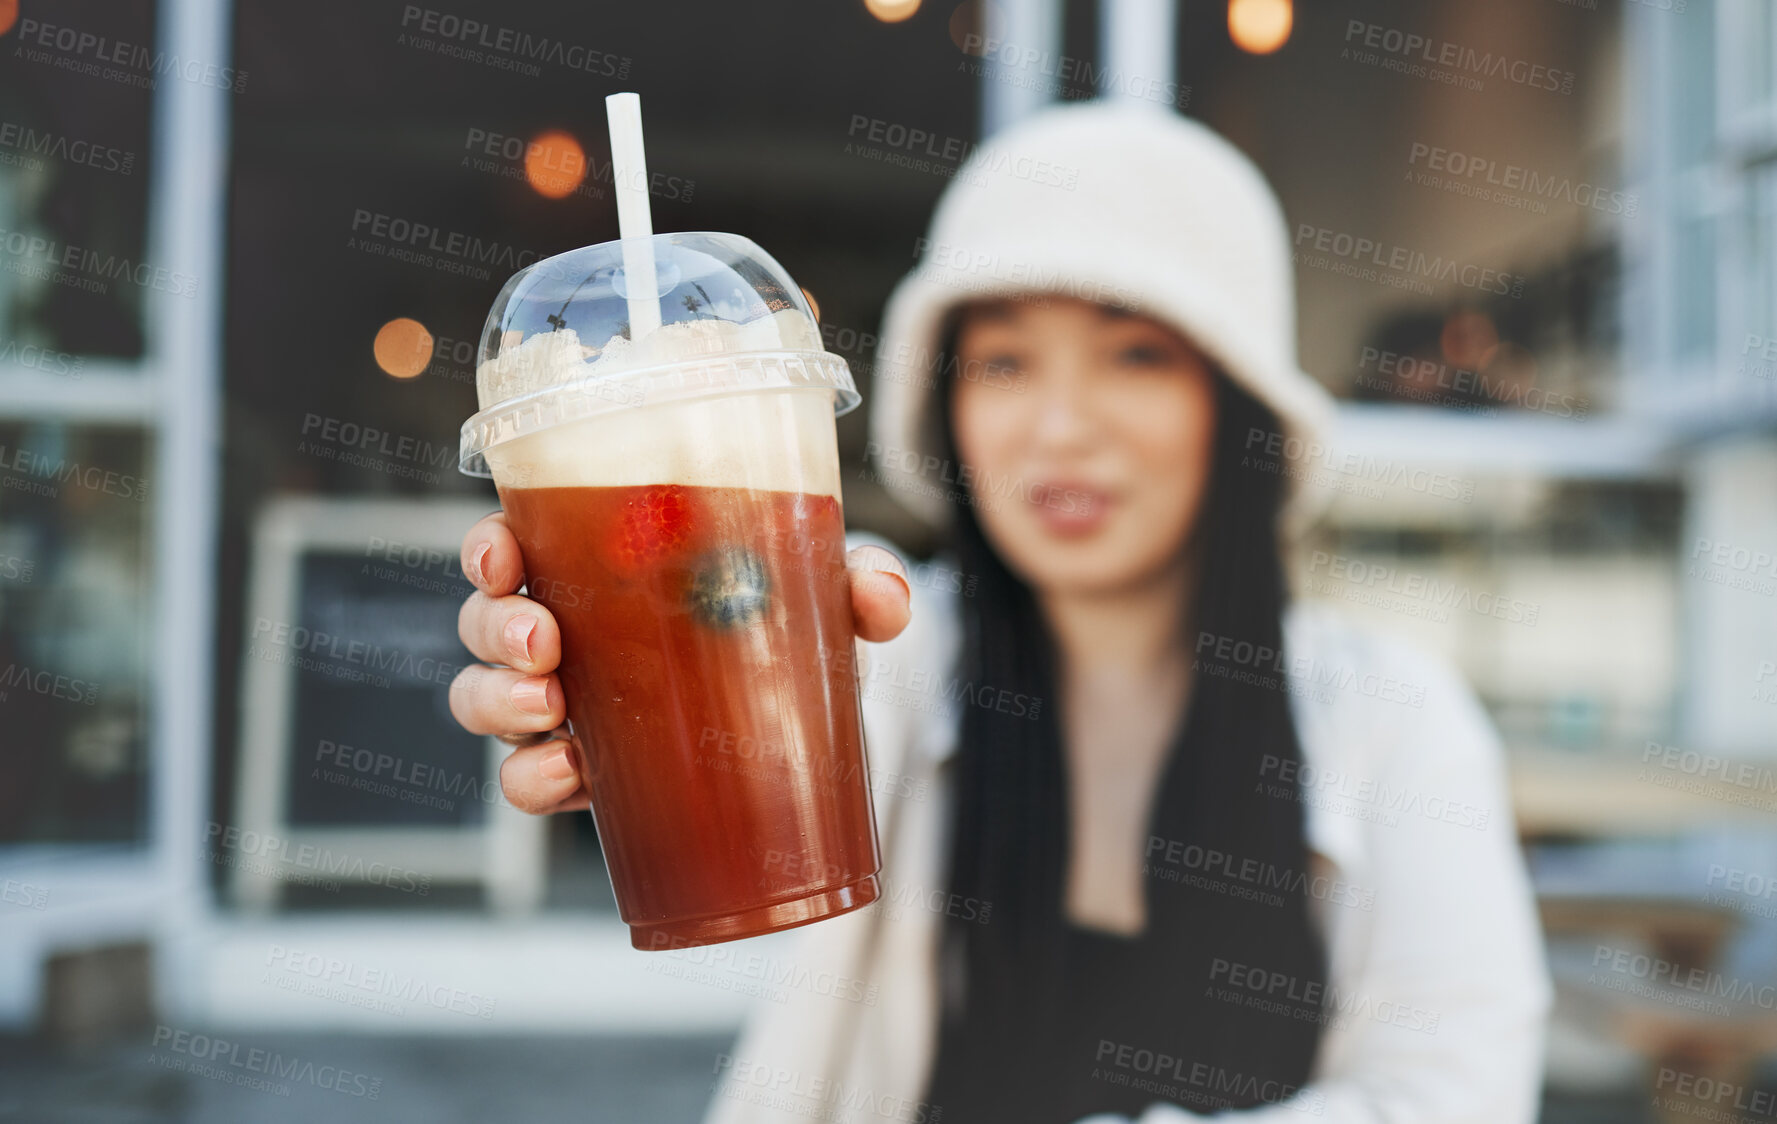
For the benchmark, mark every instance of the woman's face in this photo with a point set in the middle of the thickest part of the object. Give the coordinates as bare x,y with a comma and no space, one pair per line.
1088,430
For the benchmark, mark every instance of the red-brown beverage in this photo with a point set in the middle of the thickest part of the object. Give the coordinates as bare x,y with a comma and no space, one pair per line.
707,659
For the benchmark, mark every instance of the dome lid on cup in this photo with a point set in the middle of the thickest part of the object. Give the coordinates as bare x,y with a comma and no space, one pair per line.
561,342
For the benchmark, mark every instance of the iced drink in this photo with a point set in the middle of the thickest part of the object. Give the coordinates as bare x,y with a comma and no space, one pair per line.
677,502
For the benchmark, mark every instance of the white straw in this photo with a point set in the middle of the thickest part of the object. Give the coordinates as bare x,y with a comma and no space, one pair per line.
629,176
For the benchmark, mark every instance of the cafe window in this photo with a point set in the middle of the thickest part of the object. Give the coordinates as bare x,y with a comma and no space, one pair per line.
79,286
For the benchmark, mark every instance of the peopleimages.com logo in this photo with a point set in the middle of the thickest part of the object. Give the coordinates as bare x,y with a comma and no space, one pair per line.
1512,184
503,48
101,56
253,1067
44,474
1319,246
86,268
22,145
1422,56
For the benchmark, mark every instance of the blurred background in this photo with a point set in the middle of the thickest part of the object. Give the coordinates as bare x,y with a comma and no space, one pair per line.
247,252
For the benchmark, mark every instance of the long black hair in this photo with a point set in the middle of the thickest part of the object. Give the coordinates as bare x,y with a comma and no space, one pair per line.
1226,858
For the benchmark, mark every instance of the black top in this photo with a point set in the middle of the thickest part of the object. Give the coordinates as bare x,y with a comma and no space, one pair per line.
1111,973
1042,1021
1069,1069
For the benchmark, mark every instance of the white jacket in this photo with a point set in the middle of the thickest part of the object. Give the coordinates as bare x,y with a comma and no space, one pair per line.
1435,958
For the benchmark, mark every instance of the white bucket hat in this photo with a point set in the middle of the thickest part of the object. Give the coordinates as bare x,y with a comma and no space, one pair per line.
1117,203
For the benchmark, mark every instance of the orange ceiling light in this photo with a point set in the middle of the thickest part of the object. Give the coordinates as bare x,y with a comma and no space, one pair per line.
1260,27
554,164
403,348
892,11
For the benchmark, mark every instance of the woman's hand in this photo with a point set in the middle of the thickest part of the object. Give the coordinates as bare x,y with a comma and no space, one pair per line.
520,699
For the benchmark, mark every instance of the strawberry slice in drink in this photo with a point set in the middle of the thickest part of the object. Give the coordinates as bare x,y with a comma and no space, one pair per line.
656,524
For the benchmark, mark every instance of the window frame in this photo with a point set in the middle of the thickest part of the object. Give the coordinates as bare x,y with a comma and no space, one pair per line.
159,886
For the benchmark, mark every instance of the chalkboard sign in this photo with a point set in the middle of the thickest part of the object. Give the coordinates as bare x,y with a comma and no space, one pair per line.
374,739
347,746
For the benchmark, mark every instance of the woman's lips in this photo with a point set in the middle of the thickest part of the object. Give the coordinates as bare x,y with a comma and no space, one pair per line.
1070,510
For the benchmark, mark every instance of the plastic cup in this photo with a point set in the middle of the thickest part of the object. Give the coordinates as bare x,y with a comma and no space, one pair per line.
677,500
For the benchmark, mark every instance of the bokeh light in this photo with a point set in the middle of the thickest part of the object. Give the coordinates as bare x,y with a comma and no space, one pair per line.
403,347
9,15
969,24
891,11
1260,26
554,164
813,305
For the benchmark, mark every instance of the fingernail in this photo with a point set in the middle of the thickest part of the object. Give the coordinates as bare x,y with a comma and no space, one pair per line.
474,567
556,765
906,586
531,695
878,561
899,575
518,632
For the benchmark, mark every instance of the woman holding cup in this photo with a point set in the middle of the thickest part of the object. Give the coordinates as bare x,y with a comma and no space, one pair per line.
1170,845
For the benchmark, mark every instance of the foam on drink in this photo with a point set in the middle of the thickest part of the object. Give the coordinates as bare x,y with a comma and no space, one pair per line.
712,441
